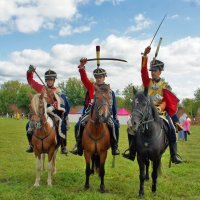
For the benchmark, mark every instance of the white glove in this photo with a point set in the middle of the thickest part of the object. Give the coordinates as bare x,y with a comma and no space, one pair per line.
50,109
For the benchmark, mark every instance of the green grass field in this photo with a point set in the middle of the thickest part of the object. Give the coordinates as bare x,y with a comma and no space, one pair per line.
17,171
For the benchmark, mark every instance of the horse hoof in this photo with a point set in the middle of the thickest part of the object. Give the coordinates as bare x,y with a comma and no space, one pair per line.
102,189
36,185
141,196
153,189
86,187
49,183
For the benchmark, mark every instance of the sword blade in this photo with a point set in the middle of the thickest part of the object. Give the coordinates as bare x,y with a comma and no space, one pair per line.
158,29
115,59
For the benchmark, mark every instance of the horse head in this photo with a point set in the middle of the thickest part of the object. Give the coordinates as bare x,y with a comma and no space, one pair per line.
141,109
101,109
37,111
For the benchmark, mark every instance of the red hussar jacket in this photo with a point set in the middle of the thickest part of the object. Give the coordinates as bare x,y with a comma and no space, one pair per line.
35,85
88,85
167,96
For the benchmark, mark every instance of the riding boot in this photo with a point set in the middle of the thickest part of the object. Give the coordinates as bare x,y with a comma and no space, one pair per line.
78,149
114,146
173,152
30,147
64,149
132,148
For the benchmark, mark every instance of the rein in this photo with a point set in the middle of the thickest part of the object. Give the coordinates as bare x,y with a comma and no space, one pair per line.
39,125
145,115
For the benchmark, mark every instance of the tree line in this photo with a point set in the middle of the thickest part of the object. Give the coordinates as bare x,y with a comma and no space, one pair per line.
15,96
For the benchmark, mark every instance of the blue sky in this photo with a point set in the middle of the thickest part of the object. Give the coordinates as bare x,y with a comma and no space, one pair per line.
57,33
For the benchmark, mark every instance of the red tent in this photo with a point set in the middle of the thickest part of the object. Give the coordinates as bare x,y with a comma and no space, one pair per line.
123,111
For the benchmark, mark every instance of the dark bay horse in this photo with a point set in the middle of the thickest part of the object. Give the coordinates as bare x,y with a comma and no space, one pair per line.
96,136
150,137
44,138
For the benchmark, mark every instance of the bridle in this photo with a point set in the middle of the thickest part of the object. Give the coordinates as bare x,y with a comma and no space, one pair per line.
97,108
146,116
40,124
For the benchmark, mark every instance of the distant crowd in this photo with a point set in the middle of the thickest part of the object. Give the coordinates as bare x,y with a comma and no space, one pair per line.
14,116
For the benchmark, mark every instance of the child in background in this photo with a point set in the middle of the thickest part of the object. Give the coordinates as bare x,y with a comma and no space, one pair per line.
186,127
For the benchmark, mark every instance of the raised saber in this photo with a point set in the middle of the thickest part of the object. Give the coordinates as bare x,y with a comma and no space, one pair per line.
38,76
115,59
157,29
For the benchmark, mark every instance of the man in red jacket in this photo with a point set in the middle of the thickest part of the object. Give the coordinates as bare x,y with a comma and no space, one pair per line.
99,75
163,99
59,109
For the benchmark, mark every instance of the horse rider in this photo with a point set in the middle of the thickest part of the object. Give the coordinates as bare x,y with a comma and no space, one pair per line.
163,99
113,124
59,110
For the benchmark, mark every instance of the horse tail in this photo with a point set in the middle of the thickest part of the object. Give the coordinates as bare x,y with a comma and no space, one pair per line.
96,161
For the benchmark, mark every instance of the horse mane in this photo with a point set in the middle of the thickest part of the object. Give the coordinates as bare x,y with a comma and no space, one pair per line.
35,103
155,114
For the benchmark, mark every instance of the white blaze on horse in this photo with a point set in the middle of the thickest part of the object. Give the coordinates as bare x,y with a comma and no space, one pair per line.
44,138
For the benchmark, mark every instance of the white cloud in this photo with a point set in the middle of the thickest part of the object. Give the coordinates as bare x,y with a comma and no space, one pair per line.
181,60
174,16
32,15
69,30
140,23
114,2
194,2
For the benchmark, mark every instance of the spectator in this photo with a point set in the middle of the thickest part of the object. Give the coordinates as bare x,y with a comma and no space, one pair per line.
186,127
181,133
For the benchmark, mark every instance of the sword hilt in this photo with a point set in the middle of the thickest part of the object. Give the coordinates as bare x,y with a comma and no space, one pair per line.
98,55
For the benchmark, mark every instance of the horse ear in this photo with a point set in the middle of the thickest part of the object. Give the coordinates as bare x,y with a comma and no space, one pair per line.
146,91
134,90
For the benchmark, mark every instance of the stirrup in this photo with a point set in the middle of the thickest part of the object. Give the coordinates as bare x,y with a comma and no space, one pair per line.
64,150
29,149
115,152
128,155
74,150
176,159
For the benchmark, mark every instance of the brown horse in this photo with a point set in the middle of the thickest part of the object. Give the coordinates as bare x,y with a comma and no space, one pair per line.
44,138
96,136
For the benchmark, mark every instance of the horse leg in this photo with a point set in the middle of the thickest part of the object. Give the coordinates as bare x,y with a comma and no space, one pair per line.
87,169
102,171
156,164
147,170
92,168
50,167
141,176
43,158
38,171
54,162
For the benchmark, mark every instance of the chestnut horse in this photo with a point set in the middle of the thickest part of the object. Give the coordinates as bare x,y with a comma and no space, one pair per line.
44,139
96,136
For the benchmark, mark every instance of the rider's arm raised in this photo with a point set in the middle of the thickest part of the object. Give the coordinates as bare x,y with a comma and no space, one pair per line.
144,70
35,85
87,83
